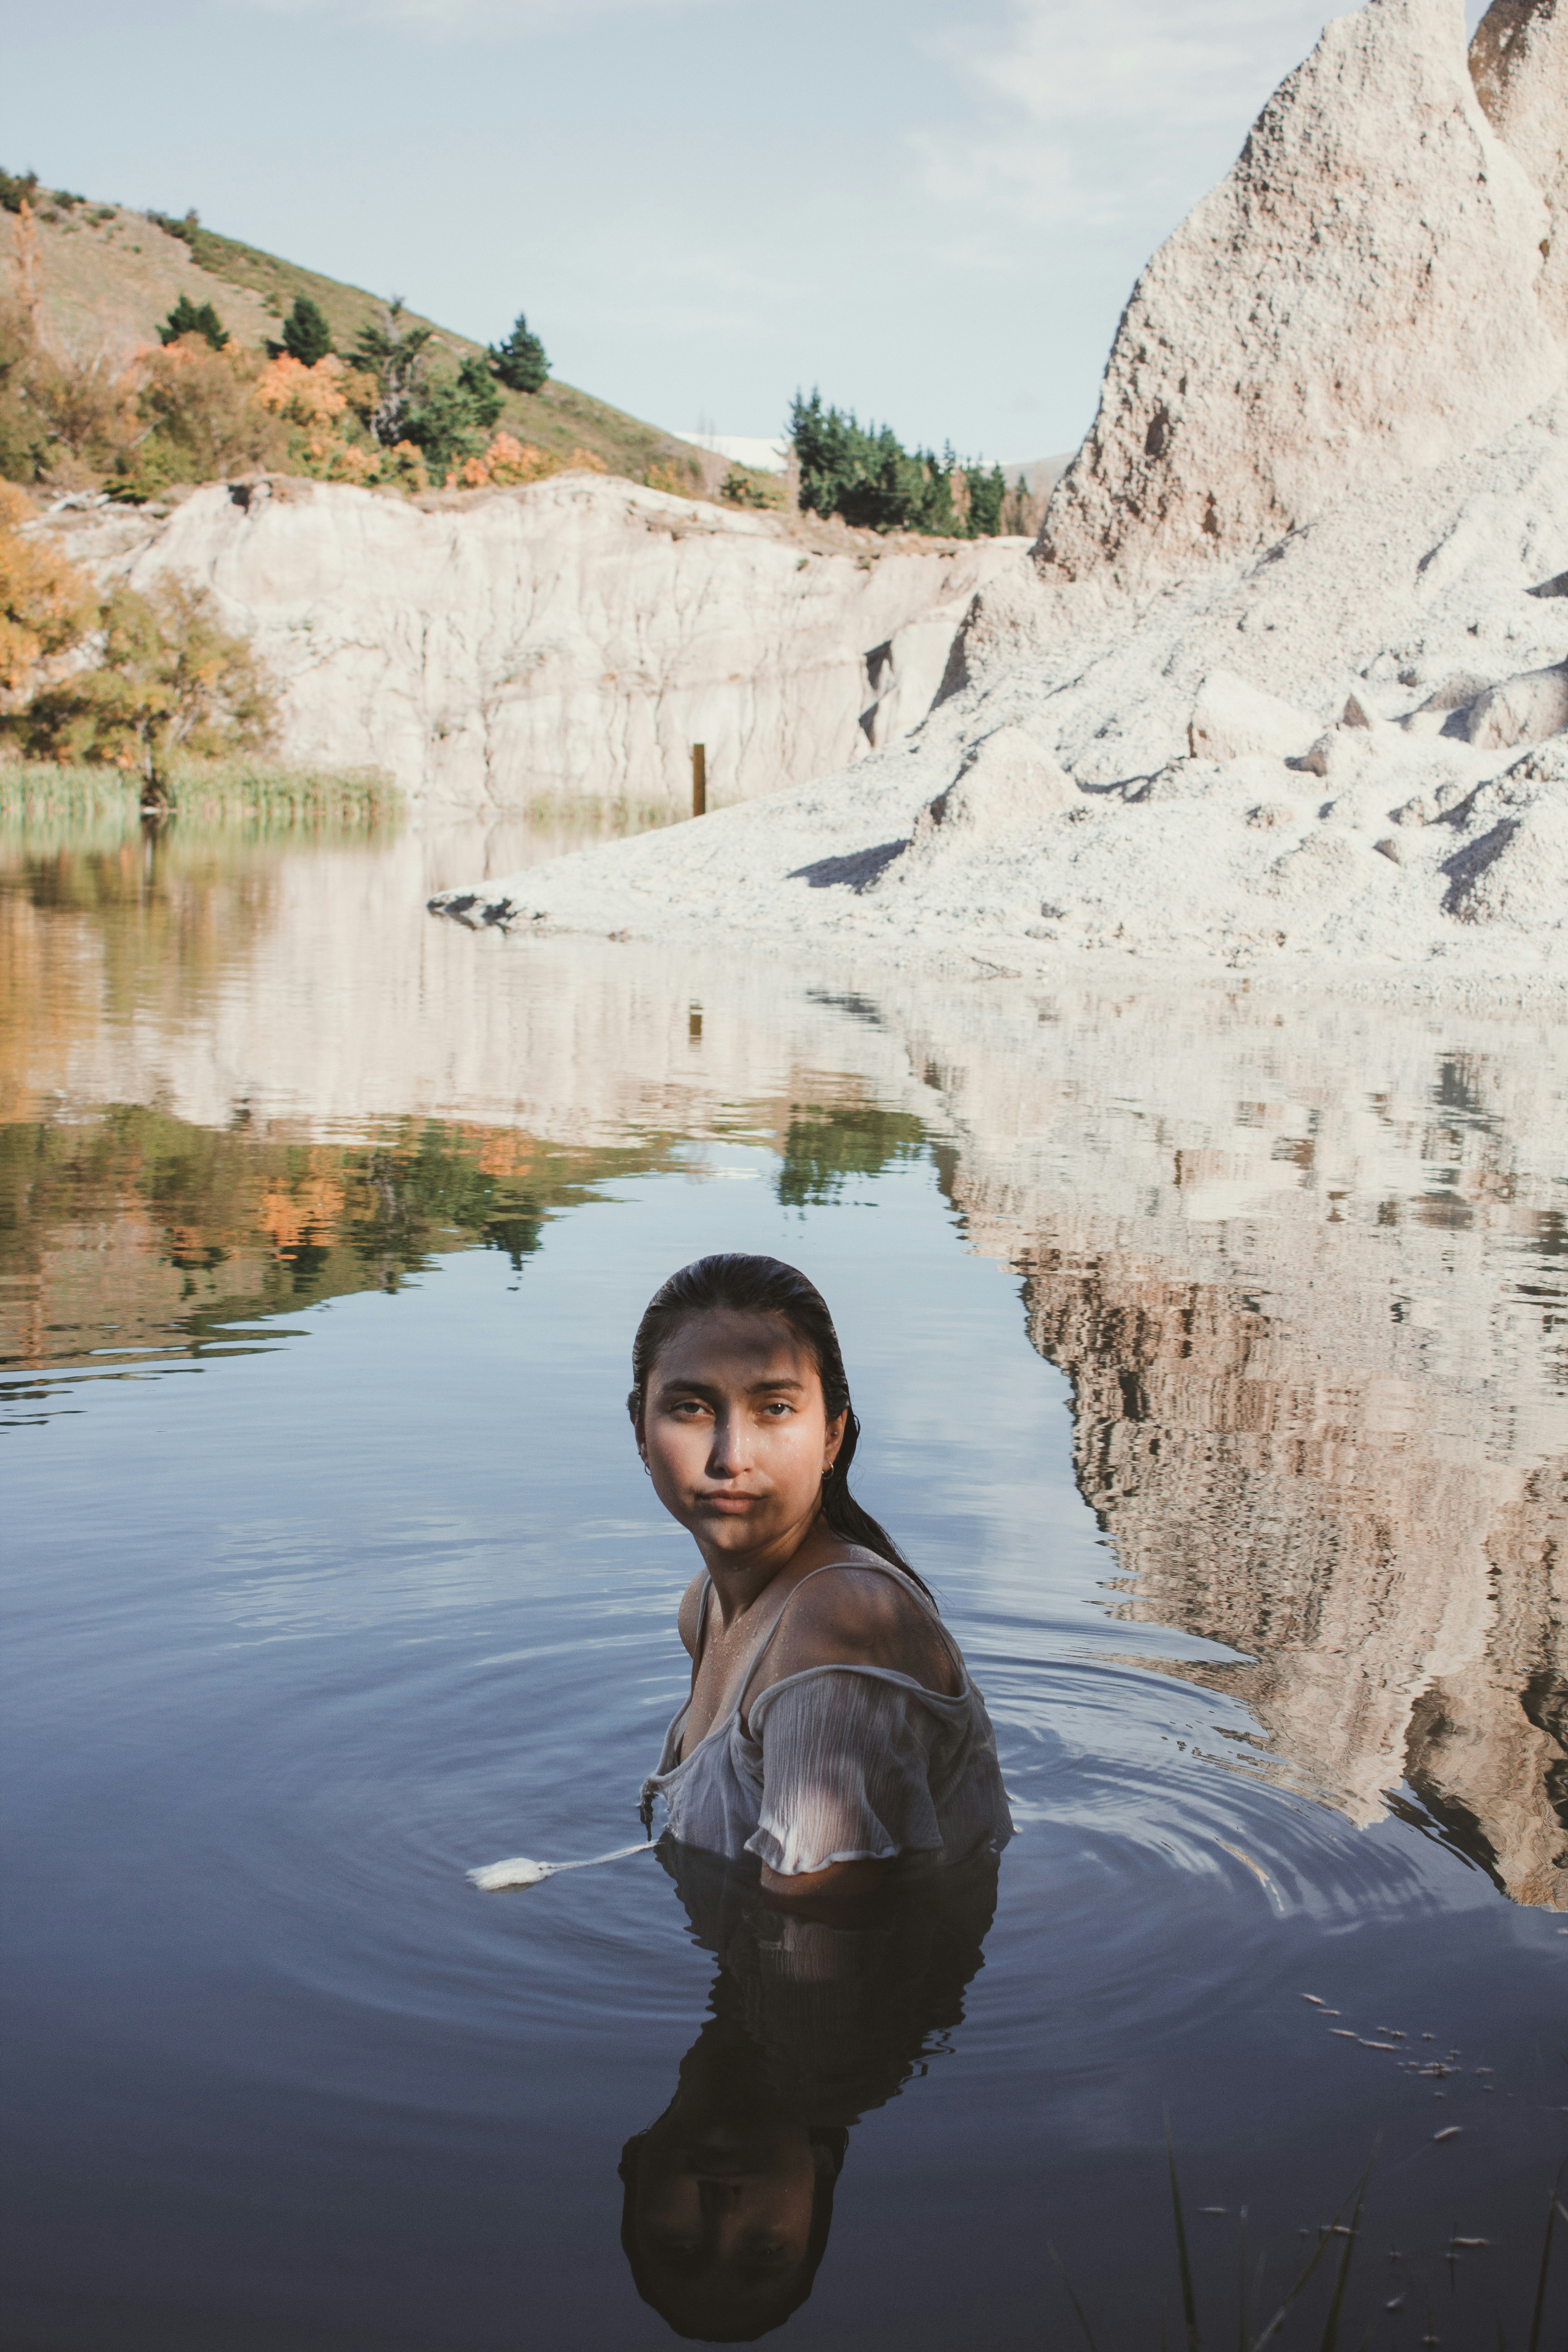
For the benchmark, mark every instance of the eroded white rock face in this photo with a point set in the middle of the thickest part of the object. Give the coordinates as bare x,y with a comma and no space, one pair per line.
569,640
1352,830
1518,63
1298,609
1363,294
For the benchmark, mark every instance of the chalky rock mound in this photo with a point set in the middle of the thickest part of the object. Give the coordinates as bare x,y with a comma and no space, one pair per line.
1285,681
1518,63
1362,296
570,640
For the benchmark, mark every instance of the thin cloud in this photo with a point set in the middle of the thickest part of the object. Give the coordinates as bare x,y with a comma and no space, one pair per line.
1090,119
488,20
1129,65
1026,178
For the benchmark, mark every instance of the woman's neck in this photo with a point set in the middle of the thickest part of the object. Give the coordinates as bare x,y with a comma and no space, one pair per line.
740,1580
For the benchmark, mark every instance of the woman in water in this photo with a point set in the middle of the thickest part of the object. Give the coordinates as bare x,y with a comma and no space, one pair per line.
832,1729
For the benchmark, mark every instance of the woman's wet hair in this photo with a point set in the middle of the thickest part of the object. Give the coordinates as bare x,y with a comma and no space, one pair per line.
766,1285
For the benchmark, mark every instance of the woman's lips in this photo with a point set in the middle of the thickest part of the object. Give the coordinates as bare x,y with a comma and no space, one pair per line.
730,1506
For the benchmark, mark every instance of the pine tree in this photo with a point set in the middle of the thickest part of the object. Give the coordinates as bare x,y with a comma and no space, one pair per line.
986,493
306,334
187,318
395,356
477,388
520,362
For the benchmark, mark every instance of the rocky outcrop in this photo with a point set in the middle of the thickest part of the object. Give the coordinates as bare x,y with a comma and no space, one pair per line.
570,640
1518,63
1361,297
1314,757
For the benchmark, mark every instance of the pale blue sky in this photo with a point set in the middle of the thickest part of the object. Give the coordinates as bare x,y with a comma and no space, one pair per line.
936,215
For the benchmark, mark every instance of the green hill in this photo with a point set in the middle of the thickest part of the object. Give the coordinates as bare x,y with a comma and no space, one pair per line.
105,278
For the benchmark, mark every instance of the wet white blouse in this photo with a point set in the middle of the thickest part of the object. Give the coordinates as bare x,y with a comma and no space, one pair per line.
841,1763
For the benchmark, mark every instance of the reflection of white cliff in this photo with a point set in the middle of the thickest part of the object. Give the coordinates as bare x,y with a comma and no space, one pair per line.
573,639
1308,1282
1303,1261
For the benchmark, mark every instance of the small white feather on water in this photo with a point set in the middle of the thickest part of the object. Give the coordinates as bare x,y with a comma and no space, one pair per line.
521,1871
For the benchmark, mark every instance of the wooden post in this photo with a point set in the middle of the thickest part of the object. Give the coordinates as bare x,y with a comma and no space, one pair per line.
700,780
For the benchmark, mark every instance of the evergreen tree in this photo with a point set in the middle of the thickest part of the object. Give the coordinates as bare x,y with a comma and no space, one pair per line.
18,188
477,385
520,362
187,318
865,473
306,334
443,427
986,492
454,416
395,356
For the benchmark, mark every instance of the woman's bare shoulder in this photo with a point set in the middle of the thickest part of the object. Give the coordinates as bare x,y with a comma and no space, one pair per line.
859,1615
690,1616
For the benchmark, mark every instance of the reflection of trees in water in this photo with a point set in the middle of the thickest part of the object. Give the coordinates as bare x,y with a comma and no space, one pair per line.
728,2195
132,1227
1397,1587
826,1145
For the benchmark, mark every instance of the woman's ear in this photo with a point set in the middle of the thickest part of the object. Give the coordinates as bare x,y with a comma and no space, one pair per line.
835,1439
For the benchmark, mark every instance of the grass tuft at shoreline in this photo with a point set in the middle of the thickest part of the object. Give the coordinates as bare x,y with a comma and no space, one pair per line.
258,798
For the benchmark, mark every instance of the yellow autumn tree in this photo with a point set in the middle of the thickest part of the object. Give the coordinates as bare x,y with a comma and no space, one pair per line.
204,418
46,606
171,679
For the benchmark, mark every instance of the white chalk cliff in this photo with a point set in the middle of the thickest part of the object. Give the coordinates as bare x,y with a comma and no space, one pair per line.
569,640
1285,679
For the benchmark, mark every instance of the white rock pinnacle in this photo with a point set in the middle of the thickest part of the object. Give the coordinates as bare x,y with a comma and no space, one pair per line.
1363,294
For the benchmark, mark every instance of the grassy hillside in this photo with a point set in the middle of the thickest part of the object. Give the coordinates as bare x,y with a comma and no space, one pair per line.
107,277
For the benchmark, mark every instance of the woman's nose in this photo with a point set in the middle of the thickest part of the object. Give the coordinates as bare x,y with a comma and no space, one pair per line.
727,1456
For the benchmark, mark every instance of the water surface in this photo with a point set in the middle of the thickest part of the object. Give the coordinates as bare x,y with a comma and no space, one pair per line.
1211,1353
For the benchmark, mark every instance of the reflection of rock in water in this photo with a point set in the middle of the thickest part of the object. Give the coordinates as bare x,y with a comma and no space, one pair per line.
1396,1583
728,2195
1488,1744
1305,1269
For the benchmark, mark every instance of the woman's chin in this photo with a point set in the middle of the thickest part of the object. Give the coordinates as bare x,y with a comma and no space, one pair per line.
734,1531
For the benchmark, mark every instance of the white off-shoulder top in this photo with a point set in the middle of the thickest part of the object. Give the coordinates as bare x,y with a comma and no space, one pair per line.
842,1763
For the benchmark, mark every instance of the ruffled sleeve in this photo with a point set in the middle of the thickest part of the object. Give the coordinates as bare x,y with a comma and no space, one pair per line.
846,1758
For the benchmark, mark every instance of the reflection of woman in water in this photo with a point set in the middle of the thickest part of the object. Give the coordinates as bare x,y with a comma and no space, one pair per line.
832,1729
728,2196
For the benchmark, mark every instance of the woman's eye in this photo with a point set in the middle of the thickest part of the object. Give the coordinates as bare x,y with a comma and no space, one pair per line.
777,1408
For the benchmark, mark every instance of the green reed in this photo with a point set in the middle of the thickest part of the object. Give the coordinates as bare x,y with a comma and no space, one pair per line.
207,792
1349,2232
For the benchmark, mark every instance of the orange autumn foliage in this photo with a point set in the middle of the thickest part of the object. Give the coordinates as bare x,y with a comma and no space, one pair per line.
46,606
303,395
508,463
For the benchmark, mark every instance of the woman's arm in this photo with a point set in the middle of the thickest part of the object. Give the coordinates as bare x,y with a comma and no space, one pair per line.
690,1616
827,1890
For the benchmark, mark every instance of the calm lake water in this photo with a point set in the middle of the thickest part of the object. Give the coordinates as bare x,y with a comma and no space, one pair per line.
1213,1354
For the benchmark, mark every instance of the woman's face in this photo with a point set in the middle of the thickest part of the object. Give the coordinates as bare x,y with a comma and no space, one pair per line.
735,1431
720,2220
